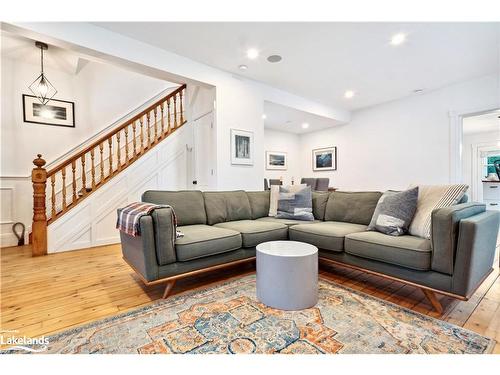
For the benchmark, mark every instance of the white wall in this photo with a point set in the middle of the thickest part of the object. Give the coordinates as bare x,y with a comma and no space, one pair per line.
110,93
102,94
392,145
284,142
239,101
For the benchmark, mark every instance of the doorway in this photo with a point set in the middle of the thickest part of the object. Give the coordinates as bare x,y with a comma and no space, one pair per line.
480,154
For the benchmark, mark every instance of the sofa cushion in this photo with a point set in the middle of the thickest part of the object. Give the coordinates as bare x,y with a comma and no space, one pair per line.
189,206
328,235
200,241
254,232
407,251
287,222
352,207
319,200
259,203
224,206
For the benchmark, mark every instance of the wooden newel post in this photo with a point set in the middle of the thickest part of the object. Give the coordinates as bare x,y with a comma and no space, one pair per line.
39,229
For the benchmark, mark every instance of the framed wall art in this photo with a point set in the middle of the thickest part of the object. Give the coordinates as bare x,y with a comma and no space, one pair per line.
55,112
276,160
241,147
324,159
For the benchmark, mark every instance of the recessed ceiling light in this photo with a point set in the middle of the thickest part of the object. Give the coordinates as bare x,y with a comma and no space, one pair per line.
264,116
252,53
305,125
398,39
243,67
349,94
274,58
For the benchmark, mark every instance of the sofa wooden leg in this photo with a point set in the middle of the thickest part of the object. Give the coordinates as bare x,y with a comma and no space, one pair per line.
431,296
168,288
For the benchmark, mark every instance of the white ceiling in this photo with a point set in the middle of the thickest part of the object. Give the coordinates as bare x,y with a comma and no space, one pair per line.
323,60
19,48
487,122
282,118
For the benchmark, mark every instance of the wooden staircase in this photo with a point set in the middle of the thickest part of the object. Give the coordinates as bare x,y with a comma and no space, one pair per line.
77,177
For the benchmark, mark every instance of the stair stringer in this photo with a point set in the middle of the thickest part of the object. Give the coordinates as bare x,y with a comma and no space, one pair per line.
92,222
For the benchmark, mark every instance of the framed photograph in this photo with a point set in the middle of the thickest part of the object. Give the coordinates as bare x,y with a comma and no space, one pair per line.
325,159
241,147
55,112
276,160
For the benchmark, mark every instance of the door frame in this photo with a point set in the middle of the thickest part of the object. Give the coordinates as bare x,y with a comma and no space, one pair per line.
477,148
456,138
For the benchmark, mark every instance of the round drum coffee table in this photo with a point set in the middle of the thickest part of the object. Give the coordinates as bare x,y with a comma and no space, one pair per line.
287,274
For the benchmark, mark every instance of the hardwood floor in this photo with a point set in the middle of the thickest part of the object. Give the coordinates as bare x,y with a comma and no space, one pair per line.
51,293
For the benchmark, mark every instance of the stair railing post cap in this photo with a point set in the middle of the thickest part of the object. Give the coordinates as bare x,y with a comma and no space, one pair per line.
39,162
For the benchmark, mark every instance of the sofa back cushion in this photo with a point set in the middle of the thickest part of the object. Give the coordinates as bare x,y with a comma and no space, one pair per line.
189,205
259,203
319,199
352,207
222,206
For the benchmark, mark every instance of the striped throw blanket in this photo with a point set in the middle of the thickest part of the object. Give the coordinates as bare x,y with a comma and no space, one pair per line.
130,215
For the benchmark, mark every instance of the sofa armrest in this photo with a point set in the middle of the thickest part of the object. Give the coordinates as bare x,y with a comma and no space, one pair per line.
140,252
475,251
444,233
164,236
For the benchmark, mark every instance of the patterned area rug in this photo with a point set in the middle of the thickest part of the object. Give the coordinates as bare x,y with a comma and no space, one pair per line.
227,318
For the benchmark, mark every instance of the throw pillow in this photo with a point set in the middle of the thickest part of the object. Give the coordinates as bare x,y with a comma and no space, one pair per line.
431,197
295,204
275,194
394,212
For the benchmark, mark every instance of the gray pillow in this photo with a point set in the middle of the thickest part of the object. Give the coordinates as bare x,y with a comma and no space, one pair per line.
295,205
394,212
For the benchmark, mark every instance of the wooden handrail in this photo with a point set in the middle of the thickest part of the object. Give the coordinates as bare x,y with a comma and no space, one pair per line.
80,175
115,131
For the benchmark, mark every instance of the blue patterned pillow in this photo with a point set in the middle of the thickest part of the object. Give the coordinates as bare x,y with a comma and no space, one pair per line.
295,205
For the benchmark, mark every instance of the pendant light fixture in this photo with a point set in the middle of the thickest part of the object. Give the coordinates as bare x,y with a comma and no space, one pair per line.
41,86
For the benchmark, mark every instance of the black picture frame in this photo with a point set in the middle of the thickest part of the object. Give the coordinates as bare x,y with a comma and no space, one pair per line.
52,102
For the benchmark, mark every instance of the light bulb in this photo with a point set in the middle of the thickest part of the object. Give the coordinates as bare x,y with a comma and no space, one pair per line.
43,88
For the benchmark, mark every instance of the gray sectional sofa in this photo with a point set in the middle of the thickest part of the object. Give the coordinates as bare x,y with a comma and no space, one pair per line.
223,228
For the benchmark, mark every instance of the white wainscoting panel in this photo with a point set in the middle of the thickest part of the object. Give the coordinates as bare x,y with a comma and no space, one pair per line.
7,238
92,222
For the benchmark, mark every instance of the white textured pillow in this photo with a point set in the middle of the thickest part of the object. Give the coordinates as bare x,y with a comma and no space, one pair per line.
431,197
275,195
